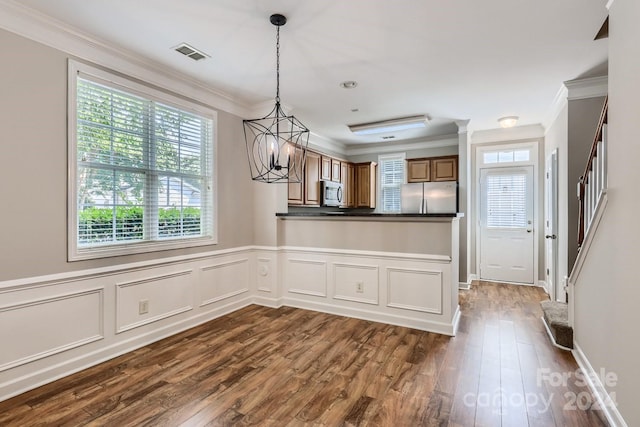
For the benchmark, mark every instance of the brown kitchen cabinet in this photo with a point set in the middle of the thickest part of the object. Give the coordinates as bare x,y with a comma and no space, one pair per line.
344,180
432,169
312,178
418,170
326,168
444,169
335,170
365,185
296,189
351,185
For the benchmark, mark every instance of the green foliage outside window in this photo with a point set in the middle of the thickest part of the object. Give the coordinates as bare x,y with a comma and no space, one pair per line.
97,224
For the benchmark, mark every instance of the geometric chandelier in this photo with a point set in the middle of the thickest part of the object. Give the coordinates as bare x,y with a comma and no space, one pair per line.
276,143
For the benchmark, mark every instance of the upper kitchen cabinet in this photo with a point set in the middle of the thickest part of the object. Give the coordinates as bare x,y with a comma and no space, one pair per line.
296,189
330,169
344,179
336,172
312,179
432,169
444,169
326,168
418,170
365,185
350,189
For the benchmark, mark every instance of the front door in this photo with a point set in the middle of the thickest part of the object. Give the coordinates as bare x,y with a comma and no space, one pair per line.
506,224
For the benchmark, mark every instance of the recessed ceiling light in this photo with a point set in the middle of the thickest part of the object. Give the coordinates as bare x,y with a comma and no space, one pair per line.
191,52
349,84
508,121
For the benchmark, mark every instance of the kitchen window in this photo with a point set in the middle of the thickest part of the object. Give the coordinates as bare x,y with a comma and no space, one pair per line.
141,168
392,170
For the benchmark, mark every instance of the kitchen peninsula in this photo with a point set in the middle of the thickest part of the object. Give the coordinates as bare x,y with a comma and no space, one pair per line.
400,269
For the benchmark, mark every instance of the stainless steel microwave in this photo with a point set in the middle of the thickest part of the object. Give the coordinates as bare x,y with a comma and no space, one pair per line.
332,193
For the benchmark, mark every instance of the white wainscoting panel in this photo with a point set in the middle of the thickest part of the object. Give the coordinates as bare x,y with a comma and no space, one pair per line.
65,322
167,295
74,320
307,276
415,289
346,278
266,274
223,280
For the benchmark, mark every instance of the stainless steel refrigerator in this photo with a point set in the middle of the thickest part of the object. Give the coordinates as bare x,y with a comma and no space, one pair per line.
430,197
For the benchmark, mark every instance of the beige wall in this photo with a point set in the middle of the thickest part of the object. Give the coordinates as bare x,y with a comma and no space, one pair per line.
433,238
607,293
556,137
583,115
33,168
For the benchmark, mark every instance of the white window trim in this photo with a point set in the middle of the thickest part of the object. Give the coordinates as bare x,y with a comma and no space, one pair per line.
76,253
391,156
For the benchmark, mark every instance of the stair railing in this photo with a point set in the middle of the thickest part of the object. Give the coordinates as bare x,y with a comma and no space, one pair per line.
593,182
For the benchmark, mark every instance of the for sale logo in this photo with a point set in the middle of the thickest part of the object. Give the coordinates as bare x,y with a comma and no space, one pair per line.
582,400
501,400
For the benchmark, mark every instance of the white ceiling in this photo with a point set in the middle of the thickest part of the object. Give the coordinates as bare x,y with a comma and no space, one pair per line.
452,60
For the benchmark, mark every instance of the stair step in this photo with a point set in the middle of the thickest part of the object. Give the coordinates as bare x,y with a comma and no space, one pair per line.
556,318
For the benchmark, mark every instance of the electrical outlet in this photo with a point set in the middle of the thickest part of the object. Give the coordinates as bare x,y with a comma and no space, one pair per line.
143,306
360,287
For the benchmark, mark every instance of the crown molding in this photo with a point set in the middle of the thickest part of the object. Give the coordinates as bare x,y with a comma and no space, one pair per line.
509,134
591,87
322,143
36,26
559,102
434,142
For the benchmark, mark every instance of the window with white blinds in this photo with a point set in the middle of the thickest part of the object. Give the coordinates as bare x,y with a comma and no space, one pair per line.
142,168
391,169
507,201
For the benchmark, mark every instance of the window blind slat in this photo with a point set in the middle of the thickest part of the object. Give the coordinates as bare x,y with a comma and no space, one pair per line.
506,201
138,159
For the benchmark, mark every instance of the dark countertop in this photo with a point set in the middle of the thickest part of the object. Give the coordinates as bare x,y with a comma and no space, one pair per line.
364,215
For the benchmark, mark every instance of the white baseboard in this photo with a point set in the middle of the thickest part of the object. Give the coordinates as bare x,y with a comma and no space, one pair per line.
373,316
268,302
606,402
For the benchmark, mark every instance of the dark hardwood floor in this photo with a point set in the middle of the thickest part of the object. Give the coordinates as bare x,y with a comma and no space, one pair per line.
261,366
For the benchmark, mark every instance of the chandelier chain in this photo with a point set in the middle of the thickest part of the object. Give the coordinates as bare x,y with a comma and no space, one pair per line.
278,65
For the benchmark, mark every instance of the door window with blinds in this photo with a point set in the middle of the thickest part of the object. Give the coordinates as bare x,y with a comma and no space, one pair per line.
392,170
506,200
141,164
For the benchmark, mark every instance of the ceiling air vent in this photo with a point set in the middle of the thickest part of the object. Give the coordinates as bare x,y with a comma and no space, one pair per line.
191,52
388,137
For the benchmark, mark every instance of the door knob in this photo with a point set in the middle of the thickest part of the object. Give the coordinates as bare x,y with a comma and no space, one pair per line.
550,236
529,230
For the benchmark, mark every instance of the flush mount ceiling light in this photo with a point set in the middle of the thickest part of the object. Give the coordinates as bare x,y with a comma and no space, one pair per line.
508,121
276,143
404,123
